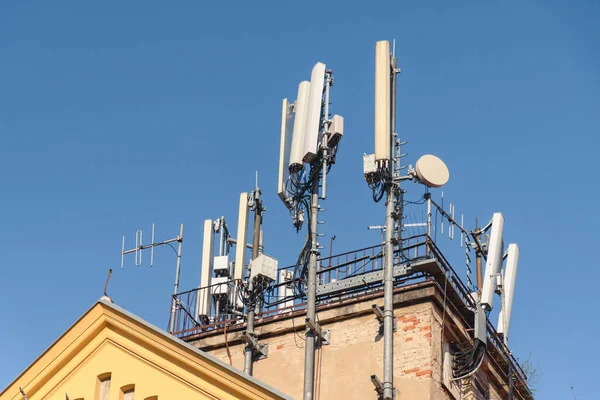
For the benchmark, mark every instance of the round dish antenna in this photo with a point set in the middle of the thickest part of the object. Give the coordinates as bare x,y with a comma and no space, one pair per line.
432,171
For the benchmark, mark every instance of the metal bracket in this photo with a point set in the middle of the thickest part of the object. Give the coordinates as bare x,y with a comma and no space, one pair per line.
379,315
379,387
259,350
323,335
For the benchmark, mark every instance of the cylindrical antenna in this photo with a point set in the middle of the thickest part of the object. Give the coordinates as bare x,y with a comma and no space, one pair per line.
462,234
451,225
123,252
478,257
152,248
442,230
325,138
221,249
138,248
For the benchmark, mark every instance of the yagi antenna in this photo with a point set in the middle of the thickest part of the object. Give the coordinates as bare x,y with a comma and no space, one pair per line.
140,247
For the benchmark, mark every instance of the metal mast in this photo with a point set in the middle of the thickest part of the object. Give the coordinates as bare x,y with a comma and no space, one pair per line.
391,240
176,285
314,334
309,348
254,306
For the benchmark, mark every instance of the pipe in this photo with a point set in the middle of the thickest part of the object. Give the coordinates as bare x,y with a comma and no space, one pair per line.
388,289
478,259
248,351
176,285
309,352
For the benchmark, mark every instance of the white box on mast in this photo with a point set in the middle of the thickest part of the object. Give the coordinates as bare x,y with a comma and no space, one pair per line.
493,265
285,145
242,233
313,115
204,295
299,128
510,277
337,128
382,100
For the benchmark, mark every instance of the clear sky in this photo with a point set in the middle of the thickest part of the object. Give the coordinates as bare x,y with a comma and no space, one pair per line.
114,115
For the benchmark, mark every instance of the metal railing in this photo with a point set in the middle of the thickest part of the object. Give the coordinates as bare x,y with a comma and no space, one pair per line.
189,321
276,300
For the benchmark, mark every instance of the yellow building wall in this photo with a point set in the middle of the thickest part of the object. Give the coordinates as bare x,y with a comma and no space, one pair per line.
155,364
126,369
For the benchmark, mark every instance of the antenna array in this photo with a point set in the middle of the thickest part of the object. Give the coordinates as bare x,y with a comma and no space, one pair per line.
232,289
308,148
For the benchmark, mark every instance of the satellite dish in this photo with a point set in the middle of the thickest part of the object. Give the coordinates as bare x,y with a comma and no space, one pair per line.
432,171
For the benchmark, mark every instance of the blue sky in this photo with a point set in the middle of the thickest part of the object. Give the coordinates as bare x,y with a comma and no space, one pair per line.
114,115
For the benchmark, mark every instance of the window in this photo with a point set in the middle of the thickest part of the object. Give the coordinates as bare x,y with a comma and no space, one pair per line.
103,386
127,392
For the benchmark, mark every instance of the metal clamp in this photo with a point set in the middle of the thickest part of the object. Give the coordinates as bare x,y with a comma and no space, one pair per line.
323,335
259,350
379,316
379,387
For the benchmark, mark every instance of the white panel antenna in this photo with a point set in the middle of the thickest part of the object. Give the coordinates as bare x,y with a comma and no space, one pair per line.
382,100
299,128
287,125
510,276
204,296
493,265
242,234
313,115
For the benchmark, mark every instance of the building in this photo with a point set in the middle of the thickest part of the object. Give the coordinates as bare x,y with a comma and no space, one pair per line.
110,353
432,314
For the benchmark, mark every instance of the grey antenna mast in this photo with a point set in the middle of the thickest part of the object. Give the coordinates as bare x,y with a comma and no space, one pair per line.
308,148
138,251
382,171
253,349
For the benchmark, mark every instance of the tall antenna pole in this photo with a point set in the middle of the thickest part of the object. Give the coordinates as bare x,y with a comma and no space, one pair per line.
249,349
309,352
176,285
388,290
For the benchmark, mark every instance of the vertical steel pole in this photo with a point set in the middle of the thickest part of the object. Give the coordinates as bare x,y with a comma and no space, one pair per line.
309,352
428,226
176,285
248,351
388,301
478,260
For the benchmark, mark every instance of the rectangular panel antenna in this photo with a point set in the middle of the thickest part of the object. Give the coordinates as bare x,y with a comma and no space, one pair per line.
313,115
242,233
285,144
299,129
493,265
204,296
510,276
382,100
